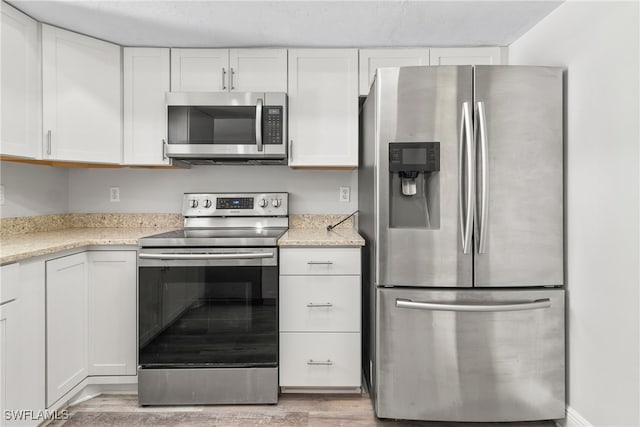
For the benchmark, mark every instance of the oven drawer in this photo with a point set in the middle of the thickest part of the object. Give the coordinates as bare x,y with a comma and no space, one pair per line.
320,359
319,261
320,303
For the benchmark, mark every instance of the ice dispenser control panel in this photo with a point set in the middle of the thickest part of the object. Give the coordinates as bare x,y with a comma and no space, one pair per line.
414,156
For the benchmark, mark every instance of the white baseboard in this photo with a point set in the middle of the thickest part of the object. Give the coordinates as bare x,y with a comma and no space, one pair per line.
573,419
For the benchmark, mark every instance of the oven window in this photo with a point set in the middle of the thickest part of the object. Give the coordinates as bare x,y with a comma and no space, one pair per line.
212,125
208,317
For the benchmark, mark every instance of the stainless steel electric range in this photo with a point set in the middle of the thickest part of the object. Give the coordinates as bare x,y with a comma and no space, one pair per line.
208,303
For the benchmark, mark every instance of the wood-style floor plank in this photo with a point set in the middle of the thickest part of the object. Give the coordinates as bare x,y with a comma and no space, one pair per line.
292,410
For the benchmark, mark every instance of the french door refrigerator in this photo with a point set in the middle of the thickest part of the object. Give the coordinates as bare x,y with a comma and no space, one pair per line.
461,205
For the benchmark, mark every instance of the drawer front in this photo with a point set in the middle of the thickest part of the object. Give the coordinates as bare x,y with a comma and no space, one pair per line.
320,303
318,261
9,282
319,359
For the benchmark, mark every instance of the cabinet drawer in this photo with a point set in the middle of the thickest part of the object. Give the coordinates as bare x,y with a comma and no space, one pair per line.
313,261
319,359
320,303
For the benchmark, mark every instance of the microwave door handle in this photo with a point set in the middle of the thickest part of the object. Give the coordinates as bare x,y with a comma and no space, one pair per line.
259,124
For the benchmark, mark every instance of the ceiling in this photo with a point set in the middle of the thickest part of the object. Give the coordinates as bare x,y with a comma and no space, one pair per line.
186,23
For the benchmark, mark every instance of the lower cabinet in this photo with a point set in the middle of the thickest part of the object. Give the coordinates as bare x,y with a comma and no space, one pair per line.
22,350
320,319
67,326
91,318
112,312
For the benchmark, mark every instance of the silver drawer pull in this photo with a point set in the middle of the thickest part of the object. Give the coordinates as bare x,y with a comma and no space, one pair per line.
320,262
328,362
496,307
326,304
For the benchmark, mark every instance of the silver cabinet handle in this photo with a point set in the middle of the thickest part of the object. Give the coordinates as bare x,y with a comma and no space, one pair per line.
204,256
510,306
481,128
7,301
320,262
314,305
224,75
164,150
328,362
49,142
466,166
259,124
231,78
291,150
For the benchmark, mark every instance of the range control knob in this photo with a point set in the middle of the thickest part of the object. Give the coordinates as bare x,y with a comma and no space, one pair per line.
194,203
275,203
263,203
207,203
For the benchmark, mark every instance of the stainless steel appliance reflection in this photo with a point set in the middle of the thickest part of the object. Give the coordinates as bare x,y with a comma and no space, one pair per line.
208,303
461,201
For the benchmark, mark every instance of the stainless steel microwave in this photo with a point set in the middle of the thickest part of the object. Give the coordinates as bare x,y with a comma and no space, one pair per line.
234,127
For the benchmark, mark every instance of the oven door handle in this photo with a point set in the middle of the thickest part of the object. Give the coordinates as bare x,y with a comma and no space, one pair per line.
206,256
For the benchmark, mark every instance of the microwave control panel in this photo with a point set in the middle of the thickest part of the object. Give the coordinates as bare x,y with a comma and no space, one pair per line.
272,125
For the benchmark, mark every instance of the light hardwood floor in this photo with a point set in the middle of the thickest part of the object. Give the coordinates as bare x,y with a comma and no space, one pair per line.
291,410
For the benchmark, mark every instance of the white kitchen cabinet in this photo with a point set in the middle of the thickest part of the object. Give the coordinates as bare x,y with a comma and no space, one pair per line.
146,80
323,107
67,324
81,96
320,319
22,341
112,312
372,59
21,83
466,56
229,70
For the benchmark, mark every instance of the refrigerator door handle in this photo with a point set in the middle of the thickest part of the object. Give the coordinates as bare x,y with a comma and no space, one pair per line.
466,165
482,308
481,129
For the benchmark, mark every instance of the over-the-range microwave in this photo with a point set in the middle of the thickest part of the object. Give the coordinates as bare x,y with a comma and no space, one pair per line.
229,128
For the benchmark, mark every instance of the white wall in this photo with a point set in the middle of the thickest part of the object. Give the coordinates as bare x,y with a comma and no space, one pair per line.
598,44
33,190
149,190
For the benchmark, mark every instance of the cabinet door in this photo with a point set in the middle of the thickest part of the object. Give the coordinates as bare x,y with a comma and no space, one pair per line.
66,324
9,355
323,107
81,98
372,59
199,70
20,89
466,56
258,70
112,312
146,80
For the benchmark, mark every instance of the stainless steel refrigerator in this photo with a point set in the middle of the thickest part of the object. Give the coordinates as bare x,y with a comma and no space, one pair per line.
461,206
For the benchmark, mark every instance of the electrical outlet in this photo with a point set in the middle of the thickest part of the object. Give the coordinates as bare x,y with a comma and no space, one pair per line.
345,194
1,194
114,194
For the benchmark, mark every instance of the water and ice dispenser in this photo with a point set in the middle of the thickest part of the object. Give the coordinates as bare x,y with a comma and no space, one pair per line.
414,184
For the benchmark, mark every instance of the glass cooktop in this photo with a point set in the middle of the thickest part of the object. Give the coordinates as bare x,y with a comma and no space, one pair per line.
215,237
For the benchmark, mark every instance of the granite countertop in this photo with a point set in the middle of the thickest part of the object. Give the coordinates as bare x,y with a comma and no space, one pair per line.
27,237
22,246
321,237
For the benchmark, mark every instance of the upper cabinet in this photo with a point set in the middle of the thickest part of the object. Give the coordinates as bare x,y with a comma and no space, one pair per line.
466,56
20,88
81,94
372,59
224,70
323,107
146,80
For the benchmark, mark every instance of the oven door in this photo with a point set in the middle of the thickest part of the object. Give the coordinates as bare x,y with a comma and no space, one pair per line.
202,307
248,125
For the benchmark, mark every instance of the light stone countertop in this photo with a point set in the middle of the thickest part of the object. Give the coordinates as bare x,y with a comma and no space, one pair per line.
321,237
22,246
